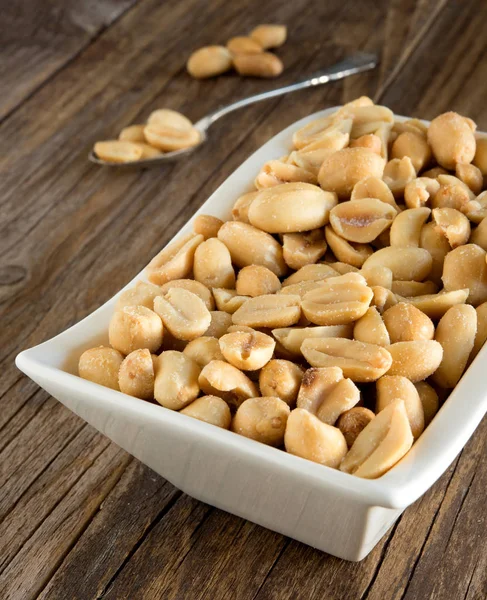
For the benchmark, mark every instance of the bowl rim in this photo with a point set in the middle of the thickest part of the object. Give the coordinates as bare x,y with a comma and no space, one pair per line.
412,476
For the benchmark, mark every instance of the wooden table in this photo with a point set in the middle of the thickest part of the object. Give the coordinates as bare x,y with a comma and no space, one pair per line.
79,517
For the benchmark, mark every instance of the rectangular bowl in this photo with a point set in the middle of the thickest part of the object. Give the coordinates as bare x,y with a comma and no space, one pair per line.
335,512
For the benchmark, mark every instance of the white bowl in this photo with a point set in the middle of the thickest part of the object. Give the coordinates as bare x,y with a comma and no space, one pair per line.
338,513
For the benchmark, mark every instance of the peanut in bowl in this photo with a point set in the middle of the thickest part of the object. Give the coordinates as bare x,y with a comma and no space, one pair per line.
276,489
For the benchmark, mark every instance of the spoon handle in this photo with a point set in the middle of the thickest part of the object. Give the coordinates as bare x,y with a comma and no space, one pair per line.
350,66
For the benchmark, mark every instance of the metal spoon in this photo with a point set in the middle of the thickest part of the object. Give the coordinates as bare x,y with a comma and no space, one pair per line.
350,66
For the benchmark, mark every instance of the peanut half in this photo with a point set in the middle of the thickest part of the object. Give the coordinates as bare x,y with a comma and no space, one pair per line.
308,437
210,409
282,379
183,313
262,419
381,444
363,220
359,361
269,310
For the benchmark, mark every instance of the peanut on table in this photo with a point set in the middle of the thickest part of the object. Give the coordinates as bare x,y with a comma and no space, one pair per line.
345,298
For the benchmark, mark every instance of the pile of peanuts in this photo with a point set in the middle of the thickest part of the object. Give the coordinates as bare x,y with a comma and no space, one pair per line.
246,54
166,130
336,309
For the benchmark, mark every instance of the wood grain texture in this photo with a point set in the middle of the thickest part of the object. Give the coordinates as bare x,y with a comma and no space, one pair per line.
78,517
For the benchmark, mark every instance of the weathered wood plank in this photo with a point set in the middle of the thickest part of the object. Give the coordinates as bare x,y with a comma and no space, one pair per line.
139,498
39,40
32,567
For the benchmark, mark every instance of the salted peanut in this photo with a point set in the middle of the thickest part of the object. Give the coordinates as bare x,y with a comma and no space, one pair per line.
240,210
381,444
308,437
342,397
277,172
210,409
175,261
383,298
207,225
359,361
476,210
340,267
101,365
371,329
416,360
318,272
117,151
312,154
414,288
243,45
176,380
343,169
301,288
471,176
481,334
251,246
134,327
373,187
219,324
247,351
213,265
436,305
479,234
171,139
453,225
429,400
365,114
456,333
406,229
292,337
453,195
269,36
411,125
142,294
282,379
480,158
434,172
132,133
169,118
370,141
451,139
339,300
353,421
262,419
221,379
148,151
270,310
300,249
313,131
345,251
264,64
316,384
378,275
195,287
418,191
384,133
203,350
183,313
413,145
256,280
363,220
398,172
209,61
437,245
405,263
395,387
465,267
136,375
291,208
